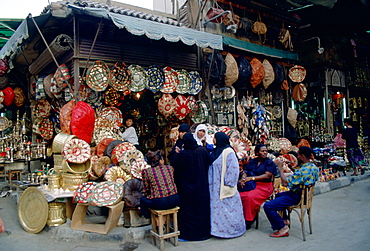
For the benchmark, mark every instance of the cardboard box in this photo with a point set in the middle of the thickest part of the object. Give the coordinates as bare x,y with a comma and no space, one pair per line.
79,214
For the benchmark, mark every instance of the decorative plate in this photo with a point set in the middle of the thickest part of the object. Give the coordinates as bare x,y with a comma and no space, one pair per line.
276,111
184,82
106,193
216,92
42,108
111,97
76,151
33,210
4,123
156,78
182,107
228,92
192,102
171,80
174,134
130,156
119,150
62,76
117,174
120,77
46,128
166,105
85,91
297,73
137,167
114,114
83,192
199,112
95,99
104,132
97,76
102,122
139,78
196,83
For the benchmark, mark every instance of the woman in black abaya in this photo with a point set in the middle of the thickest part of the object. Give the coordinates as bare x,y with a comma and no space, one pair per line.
191,178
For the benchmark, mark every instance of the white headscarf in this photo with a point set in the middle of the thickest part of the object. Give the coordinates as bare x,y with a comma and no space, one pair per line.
199,140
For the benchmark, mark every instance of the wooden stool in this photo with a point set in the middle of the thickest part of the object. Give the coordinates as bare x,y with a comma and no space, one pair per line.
161,228
17,173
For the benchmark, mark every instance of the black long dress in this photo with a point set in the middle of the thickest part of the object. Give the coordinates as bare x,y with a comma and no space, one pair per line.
191,178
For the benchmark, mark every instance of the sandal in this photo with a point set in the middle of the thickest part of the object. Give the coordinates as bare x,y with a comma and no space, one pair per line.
362,171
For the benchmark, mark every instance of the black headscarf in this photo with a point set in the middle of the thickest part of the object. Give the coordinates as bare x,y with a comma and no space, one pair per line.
184,128
222,142
189,142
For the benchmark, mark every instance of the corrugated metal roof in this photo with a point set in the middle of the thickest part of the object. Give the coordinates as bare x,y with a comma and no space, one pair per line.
120,8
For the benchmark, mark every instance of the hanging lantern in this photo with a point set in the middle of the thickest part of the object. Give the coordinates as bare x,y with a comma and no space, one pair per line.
338,97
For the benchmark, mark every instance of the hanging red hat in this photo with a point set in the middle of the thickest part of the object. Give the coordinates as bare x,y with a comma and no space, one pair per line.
8,96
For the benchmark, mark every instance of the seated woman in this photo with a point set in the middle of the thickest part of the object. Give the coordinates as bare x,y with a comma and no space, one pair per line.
263,170
160,191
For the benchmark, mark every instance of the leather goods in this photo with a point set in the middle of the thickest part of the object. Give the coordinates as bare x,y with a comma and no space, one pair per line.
232,71
258,72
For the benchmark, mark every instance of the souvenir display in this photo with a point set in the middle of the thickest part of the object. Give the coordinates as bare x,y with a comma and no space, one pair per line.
196,83
106,193
8,96
76,151
82,121
19,97
166,105
109,149
42,108
239,147
117,174
155,78
4,123
104,132
130,156
276,111
62,76
76,168
120,77
228,92
102,122
232,71
182,107
47,85
139,78
65,116
299,92
297,73
216,92
94,99
100,148
269,74
258,72
4,66
1,97
46,128
171,80
184,82
84,91
114,114
285,144
83,192
119,150
174,134
199,112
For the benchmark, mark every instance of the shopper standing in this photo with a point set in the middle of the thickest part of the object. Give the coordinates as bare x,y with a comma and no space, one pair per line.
191,178
354,153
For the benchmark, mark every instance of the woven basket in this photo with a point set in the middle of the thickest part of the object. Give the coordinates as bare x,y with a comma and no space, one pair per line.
59,140
71,181
76,168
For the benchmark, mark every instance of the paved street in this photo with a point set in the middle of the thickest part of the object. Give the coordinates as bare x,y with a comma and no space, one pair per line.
341,221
